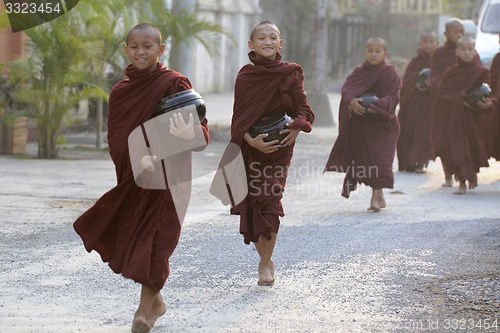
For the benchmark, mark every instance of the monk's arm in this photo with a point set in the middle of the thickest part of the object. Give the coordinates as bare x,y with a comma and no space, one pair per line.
302,114
386,106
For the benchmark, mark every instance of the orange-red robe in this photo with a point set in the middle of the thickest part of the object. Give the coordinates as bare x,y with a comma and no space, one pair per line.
366,145
465,145
262,87
414,145
134,229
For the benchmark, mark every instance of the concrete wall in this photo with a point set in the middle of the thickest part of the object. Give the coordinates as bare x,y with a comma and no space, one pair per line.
217,74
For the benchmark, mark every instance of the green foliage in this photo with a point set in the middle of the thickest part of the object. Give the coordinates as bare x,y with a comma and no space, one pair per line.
70,59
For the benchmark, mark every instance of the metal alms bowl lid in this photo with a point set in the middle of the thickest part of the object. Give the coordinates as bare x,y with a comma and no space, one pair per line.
367,100
271,123
179,100
475,94
425,72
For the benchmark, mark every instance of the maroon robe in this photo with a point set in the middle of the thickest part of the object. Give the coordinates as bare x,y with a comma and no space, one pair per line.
495,87
465,146
134,229
262,87
414,145
443,57
366,145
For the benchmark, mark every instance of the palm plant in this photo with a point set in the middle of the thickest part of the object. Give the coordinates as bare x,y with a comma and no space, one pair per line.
54,81
182,26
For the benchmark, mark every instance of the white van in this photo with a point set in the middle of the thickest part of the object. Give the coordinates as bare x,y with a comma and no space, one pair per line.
488,28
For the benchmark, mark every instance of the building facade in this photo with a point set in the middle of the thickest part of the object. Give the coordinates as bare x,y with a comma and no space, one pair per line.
217,74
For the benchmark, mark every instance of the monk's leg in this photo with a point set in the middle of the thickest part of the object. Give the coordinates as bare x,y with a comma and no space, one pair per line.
448,179
462,188
377,201
157,310
265,248
473,183
140,323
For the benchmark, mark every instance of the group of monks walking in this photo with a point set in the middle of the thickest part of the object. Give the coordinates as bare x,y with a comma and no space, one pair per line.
436,119
136,229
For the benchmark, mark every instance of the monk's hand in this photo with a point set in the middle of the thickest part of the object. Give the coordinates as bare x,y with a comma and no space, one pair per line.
485,103
180,129
356,107
148,163
259,143
292,134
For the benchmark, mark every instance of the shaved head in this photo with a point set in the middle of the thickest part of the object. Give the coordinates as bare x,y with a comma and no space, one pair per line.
146,26
465,40
260,24
428,33
453,23
377,40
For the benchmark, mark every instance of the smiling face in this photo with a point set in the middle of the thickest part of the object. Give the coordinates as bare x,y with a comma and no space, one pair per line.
466,49
143,49
266,41
375,52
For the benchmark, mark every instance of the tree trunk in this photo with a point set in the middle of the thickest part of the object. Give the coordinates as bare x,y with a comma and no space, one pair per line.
98,123
318,99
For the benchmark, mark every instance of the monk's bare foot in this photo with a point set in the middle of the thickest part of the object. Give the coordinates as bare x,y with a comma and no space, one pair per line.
140,325
473,184
448,182
266,274
159,309
462,188
376,204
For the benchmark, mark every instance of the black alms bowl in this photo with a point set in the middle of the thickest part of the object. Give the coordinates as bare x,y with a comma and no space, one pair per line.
179,100
474,95
423,75
271,123
367,100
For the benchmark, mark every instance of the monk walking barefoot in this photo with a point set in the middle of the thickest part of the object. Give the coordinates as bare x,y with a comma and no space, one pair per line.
368,134
266,88
466,143
134,228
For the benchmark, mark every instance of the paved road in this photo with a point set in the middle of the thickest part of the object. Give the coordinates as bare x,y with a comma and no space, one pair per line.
429,262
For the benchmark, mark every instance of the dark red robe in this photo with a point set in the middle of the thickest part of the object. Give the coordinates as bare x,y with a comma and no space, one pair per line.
366,145
443,57
465,146
414,145
134,229
495,87
262,87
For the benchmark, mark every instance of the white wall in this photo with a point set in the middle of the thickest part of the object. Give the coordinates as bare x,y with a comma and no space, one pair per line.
236,16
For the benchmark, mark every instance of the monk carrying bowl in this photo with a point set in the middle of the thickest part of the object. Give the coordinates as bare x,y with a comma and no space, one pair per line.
476,94
179,100
271,123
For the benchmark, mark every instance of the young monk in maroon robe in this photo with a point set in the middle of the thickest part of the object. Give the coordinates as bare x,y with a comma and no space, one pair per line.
495,88
267,85
135,229
466,148
366,144
414,147
443,57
